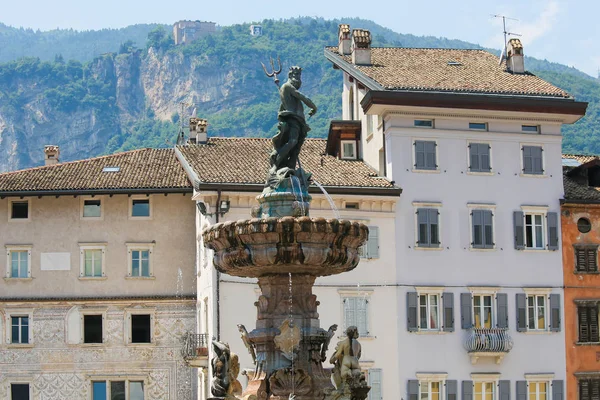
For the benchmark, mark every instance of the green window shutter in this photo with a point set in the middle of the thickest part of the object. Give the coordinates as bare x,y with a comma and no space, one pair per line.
451,390
419,154
521,312
552,219
423,227
484,157
474,157
555,312
502,305
519,229
434,227
521,390
527,160
488,229
412,310
593,324
413,389
430,156
558,390
477,222
537,159
373,242
448,302
466,306
375,382
467,390
504,390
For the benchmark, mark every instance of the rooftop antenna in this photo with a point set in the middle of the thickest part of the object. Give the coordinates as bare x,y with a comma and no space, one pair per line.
180,135
506,33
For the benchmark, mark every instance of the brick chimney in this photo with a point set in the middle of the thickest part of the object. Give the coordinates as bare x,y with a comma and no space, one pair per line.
514,57
361,47
51,154
344,40
198,130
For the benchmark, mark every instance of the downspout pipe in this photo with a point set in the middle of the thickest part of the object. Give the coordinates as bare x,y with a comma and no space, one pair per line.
218,283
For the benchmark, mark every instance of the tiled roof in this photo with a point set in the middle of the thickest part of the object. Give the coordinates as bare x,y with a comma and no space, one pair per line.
470,71
575,191
580,158
137,169
246,161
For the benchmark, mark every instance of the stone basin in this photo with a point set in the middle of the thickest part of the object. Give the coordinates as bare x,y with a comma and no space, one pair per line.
299,245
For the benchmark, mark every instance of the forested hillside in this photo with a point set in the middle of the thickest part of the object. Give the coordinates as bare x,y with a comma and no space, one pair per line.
132,96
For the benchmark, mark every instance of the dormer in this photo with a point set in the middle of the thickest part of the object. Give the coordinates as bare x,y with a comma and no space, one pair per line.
587,174
343,140
361,47
515,62
345,41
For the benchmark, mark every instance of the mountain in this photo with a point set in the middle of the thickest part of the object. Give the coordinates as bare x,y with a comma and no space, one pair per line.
133,95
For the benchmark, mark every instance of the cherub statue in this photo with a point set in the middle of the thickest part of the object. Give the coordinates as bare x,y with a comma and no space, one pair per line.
220,369
346,369
246,339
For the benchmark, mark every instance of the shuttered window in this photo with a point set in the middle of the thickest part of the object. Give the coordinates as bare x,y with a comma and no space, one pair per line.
533,160
479,157
429,312
376,392
371,248
428,227
536,312
588,323
482,229
589,389
538,390
355,314
484,391
425,155
430,390
586,258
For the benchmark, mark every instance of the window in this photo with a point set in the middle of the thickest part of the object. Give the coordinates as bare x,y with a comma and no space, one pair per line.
92,329
140,207
356,312
19,329
91,208
118,390
93,263
19,391
584,225
140,260
432,386
484,390
586,259
478,126
430,390
423,123
370,124
588,323
371,248
430,309
534,231
429,312
532,160
19,209
479,157
374,375
348,149
483,311
589,389
536,313
530,128
140,328
537,390
428,228
425,155
351,206
18,262
482,229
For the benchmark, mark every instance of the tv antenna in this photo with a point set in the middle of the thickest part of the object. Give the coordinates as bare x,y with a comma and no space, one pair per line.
181,135
506,33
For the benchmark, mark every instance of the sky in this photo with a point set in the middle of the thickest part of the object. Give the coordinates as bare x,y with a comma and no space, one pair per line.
564,31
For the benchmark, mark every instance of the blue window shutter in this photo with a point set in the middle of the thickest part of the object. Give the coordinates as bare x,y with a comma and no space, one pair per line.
537,158
413,389
451,390
373,242
521,390
527,160
502,315
504,390
488,229
466,305
419,154
423,227
555,312
484,157
412,310
375,382
430,155
434,227
519,225
477,228
521,312
552,219
467,390
474,157
448,302
558,390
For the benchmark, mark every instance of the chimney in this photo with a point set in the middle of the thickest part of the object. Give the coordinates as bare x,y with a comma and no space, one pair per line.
51,154
361,47
514,57
198,133
344,40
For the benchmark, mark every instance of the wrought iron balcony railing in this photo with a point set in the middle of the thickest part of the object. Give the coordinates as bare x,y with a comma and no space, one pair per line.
195,348
491,342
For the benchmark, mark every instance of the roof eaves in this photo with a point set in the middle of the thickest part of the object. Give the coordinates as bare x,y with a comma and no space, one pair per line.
350,69
393,191
80,192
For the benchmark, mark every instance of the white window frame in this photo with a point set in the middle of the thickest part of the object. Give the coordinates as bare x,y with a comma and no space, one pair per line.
536,210
14,248
91,246
343,155
127,378
427,379
484,291
430,291
128,325
540,378
82,204
414,155
145,246
537,132
16,312
423,127
417,205
363,251
521,171
92,311
18,381
150,207
10,206
487,207
362,293
485,124
483,173
542,292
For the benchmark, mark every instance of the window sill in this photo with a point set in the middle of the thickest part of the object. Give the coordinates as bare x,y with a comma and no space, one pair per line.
533,175
91,218
536,332
91,344
535,250
427,171
19,220
18,279
140,278
369,137
141,344
430,332
476,249
139,218
576,273
481,173
20,346
93,278
587,343
429,248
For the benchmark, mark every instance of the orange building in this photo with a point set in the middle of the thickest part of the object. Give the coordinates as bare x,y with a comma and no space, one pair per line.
581,237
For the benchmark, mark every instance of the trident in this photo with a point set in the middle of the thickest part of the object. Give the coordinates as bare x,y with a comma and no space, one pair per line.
275,71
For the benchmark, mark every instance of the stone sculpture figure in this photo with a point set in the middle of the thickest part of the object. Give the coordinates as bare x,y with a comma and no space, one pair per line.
247,343
220,369
330,333
347,377
235,387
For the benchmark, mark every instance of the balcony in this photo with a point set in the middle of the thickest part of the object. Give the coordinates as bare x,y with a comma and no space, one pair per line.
195,349
488,342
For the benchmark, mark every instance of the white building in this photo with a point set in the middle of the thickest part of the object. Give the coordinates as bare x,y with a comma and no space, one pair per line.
476,147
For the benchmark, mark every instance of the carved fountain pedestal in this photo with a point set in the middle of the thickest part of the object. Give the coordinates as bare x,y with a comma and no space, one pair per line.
286,255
